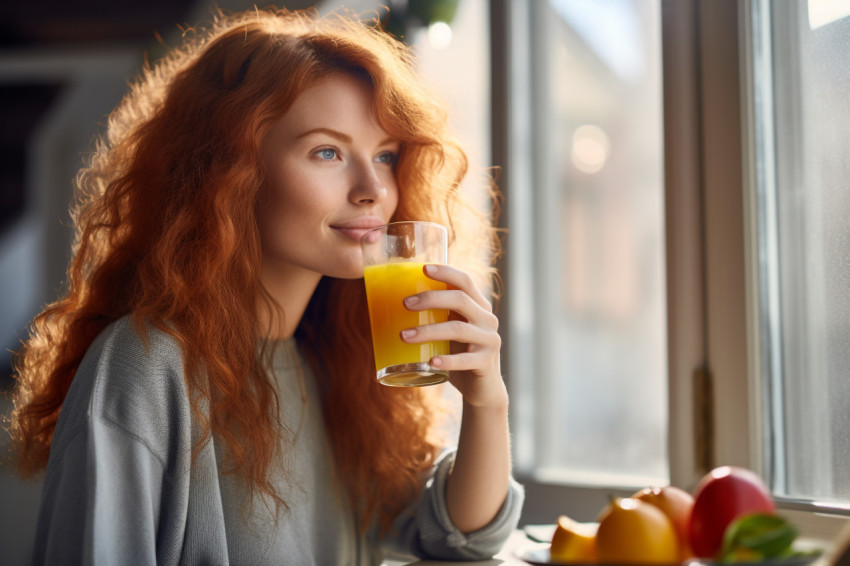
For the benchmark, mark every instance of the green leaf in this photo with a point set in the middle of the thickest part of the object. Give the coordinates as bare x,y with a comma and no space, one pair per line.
742,555
759,534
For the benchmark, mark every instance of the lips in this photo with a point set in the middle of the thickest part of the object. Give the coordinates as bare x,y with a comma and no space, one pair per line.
356,228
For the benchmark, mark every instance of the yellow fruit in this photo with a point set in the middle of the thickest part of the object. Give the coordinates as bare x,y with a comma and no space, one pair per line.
573,542
634,532
677,504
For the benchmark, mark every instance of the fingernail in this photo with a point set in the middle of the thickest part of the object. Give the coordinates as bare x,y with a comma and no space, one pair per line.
412,300
431,268
409,333
436,362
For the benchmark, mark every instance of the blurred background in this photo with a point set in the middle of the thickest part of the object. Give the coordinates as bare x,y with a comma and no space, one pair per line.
676,203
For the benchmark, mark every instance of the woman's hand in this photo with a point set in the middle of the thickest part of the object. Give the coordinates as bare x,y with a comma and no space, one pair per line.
478,481
473,365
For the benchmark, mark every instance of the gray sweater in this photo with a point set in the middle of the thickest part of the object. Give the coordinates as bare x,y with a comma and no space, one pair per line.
121,486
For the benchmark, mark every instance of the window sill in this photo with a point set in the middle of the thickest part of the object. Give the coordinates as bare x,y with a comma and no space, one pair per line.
820,527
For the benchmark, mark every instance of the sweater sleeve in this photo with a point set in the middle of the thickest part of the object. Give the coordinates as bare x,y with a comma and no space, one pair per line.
101,501
427,531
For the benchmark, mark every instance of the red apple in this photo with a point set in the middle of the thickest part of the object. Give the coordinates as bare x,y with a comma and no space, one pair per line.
677,505
722,496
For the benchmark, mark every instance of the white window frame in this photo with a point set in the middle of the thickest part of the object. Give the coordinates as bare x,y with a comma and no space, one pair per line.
817,520
519,151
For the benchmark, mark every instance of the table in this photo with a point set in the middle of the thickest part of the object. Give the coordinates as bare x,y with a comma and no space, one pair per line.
518,539
504,558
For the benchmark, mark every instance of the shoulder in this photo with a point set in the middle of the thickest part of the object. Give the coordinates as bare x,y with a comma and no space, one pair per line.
131,364
130,379
125,343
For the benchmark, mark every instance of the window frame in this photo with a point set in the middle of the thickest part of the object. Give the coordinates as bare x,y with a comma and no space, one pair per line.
714,352
517,150
817,520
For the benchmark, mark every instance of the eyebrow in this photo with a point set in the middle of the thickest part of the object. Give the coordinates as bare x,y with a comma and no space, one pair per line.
332,133
345,138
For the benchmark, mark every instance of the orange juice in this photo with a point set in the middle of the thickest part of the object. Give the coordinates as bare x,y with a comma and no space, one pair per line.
387,285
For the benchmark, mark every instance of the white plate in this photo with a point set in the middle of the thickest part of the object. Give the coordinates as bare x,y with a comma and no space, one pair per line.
538,555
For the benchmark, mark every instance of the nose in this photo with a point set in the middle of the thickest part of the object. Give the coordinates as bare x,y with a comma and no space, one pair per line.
367,187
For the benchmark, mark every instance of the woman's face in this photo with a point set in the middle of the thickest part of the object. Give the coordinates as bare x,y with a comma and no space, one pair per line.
330,170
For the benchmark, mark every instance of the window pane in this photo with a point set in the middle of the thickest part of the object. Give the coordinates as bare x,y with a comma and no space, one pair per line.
600,393
805,242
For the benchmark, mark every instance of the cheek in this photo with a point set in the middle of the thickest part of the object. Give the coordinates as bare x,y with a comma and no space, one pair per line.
393,195
279,209
291,193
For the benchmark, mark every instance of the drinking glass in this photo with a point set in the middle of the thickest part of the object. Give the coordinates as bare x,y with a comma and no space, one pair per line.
394,257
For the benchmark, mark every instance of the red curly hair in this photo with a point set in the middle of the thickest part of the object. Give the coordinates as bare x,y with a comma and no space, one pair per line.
167,232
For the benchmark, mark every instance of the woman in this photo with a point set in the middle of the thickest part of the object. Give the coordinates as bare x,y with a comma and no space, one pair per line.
205,393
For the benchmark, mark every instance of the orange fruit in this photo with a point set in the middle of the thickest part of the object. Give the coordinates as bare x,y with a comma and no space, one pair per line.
634,532
573,541
677,505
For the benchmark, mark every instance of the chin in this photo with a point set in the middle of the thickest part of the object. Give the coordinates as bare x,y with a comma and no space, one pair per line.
352,269
354,273
349,266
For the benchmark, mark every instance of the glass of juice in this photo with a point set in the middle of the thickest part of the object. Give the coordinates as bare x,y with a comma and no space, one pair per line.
394,257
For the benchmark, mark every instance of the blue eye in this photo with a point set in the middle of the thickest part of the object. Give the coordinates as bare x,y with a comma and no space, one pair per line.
328,154
387,157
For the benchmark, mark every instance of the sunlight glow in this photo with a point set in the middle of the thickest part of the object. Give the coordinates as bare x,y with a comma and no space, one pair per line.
440,35
823,12
591,147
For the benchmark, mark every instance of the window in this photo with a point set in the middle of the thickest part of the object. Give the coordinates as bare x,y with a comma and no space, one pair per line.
744,283
801,109
586,246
